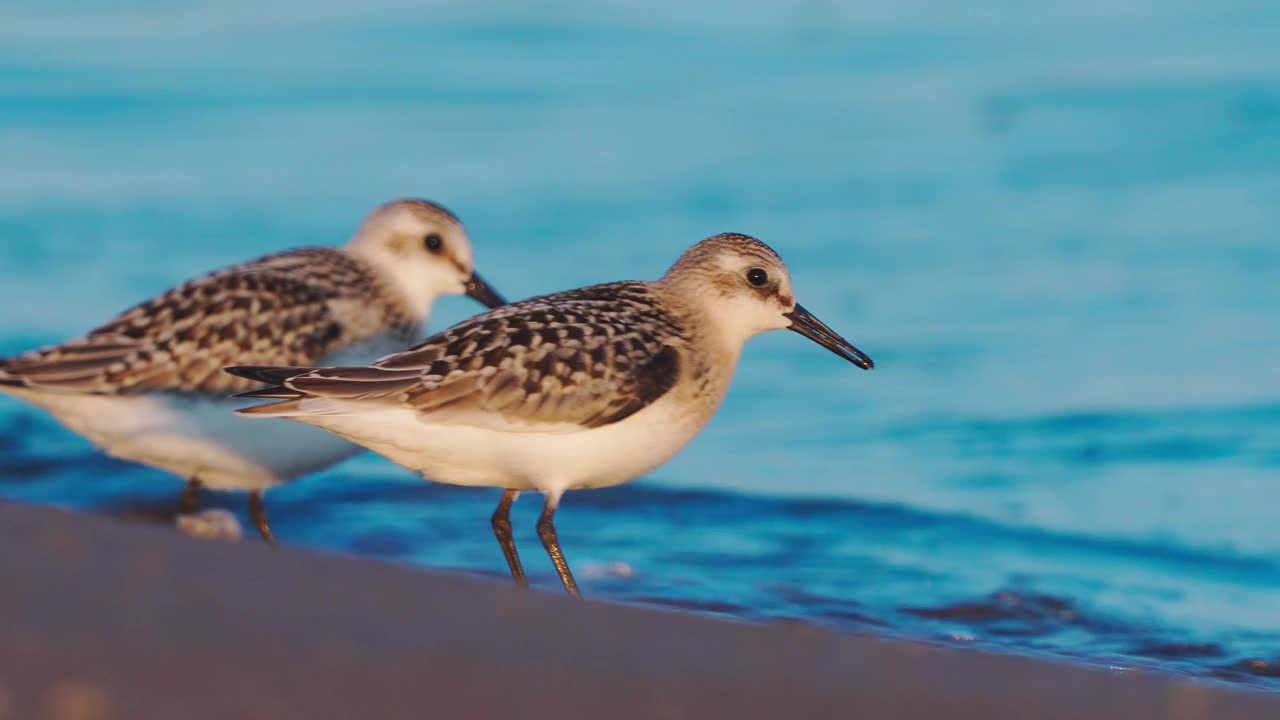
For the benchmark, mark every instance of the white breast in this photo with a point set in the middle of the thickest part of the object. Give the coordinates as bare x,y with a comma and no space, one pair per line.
547,462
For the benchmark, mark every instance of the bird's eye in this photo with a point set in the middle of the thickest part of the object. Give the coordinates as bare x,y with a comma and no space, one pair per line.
757,277
433,242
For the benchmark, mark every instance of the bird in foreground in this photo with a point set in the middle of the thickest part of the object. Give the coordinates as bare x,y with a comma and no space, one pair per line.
581,389
148,386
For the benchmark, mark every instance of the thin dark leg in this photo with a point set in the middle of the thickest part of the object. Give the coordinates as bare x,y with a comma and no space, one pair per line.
189,501
258,514
501,522
547,531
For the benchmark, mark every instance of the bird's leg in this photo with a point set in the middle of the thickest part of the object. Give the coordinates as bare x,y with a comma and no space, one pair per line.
547,531
501,522
258,514
189,500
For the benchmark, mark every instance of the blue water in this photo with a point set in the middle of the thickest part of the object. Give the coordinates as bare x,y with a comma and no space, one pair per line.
1055,227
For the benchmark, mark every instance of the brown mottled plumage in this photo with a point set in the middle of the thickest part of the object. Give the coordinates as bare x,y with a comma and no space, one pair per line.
292,308
580,389
147,385
585,357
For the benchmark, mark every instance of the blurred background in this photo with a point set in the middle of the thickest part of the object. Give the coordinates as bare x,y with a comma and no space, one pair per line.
1055,226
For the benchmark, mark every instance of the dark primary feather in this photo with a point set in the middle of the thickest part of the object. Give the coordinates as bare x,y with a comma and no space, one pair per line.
586,357
293,308
267,373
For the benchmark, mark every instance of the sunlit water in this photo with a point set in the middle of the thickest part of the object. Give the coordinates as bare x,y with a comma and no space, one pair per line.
1054,226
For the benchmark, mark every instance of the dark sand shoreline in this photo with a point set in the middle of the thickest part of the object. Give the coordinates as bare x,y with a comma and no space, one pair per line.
99,612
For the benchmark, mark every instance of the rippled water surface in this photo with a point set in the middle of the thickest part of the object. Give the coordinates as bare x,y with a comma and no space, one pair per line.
1054,226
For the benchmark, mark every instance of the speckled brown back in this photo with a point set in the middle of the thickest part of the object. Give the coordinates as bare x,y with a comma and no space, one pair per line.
292,308
586,357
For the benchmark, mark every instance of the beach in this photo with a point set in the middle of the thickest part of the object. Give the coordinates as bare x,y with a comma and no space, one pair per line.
104,618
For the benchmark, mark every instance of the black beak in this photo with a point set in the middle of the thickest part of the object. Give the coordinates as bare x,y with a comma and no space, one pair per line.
480,290
803,322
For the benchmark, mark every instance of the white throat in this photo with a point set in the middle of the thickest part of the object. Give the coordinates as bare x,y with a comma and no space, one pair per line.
414,284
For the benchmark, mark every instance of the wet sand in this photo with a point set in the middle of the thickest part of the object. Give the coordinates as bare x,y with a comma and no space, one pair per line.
101,618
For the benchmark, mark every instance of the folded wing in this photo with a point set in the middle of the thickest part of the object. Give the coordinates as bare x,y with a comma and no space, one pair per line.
294,308
570,361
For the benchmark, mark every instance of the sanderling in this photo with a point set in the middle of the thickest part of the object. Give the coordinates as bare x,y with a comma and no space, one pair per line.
148,386
580,389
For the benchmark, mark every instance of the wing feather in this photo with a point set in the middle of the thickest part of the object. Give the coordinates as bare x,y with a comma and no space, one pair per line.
580,359
293,308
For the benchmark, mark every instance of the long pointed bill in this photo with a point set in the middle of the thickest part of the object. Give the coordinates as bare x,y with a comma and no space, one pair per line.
482,292
803,322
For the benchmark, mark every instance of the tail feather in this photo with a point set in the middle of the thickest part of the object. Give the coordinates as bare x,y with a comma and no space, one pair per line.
302,391
267,374
284,408
273,392
23,382
303,407
274,377
5,377
8,379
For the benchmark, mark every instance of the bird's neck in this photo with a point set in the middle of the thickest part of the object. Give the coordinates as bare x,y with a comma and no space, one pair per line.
711,358
414,299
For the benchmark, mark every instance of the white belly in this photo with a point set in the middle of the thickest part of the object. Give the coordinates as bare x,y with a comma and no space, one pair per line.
200,438
547,462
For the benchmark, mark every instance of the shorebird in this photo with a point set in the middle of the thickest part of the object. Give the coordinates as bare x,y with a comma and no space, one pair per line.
581,389
148,386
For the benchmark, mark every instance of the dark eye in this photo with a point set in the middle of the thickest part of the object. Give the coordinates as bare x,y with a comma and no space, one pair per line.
757,277
434,242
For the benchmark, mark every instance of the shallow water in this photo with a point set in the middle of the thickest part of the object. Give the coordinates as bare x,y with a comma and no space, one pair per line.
1054,228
